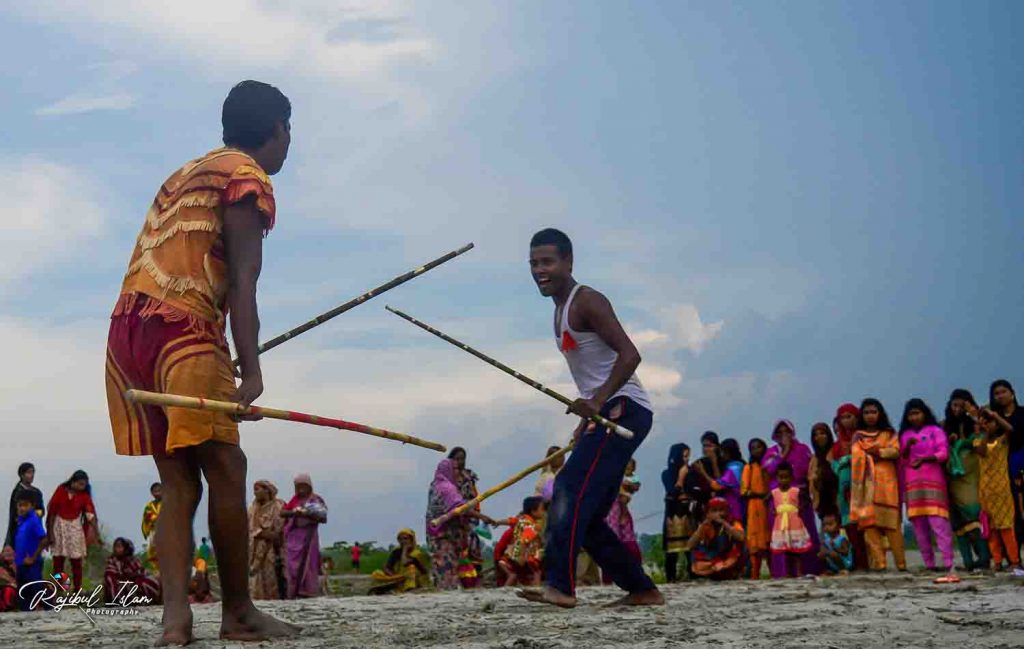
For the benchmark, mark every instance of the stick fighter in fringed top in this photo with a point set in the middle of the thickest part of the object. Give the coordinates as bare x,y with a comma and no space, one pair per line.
197,259
603,362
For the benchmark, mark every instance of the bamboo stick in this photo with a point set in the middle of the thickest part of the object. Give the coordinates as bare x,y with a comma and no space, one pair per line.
197,403
597,419
354,302
465,507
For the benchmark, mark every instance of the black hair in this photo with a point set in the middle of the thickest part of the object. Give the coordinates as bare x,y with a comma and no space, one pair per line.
129,547
79,475
25,496
251,112
154,486
917,404
455,451
962,425
883,416
1000,383
531,503
710,436
552,450
822,452
750,446
784,466
553,237
731,451
25,466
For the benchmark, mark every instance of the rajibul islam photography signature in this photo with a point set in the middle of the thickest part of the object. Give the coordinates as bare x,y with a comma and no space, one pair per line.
56,595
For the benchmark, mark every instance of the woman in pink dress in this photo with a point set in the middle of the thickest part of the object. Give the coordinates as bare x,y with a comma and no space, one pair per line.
924,450
303,515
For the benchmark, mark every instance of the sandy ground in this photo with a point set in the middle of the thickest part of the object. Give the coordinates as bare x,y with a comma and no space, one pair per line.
888,611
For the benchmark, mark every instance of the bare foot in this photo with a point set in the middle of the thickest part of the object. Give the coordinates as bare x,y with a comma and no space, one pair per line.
651,597
254,625
177,629
547,595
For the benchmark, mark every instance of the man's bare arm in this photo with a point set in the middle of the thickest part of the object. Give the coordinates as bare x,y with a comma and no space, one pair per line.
599,316
243,244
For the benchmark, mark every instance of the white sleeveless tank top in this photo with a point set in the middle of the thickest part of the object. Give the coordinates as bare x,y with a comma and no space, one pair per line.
591,362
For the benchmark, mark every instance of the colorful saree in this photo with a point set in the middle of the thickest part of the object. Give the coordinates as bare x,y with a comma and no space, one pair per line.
874,487
265,554
302,544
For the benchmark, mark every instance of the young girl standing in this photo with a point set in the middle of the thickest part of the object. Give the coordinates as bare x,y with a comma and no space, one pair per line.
924,451
71,521
790,538
964,474
874,486
996,498
755,492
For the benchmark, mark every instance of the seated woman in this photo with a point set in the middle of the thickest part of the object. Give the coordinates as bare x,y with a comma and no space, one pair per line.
125,581
408,568
199,591
8,581
718,544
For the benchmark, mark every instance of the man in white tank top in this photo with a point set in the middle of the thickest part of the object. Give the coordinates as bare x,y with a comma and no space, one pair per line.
603,362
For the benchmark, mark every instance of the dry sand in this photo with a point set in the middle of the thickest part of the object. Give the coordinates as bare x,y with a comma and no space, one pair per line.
888,611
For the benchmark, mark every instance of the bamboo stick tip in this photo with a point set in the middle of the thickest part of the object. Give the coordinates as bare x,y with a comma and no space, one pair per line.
388,307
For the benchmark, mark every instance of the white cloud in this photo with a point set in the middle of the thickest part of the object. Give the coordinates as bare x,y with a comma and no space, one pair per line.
681,327
49,211
86,103
346,40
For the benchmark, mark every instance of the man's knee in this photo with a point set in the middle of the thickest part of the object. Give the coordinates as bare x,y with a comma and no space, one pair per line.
222,464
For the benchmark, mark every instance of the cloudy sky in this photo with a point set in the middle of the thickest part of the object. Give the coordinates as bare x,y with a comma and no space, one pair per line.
790,206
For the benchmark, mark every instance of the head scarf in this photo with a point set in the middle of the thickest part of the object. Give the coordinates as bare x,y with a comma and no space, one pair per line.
303,478
405,531
444,494
775,429
299,501
272,488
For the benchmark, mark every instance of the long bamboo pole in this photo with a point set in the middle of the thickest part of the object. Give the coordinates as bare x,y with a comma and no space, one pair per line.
465,507
197,403
354,302
597,419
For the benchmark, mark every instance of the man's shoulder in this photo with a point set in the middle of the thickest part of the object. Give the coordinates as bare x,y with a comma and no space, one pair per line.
215,169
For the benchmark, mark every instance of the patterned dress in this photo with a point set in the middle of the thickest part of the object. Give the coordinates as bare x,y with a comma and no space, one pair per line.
994,489
789,535
265,554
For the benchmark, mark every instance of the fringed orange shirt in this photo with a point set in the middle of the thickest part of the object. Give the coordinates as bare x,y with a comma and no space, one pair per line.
179,255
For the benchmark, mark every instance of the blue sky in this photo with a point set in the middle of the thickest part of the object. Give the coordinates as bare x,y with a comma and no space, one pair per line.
790,206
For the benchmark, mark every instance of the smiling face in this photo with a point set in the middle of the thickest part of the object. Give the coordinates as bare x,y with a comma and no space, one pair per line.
551,271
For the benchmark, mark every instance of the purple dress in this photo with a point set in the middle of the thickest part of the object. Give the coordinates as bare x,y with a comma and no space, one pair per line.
800,459
302,547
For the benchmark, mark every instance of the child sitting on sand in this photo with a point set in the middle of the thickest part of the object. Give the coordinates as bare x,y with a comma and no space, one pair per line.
521,562
836,549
